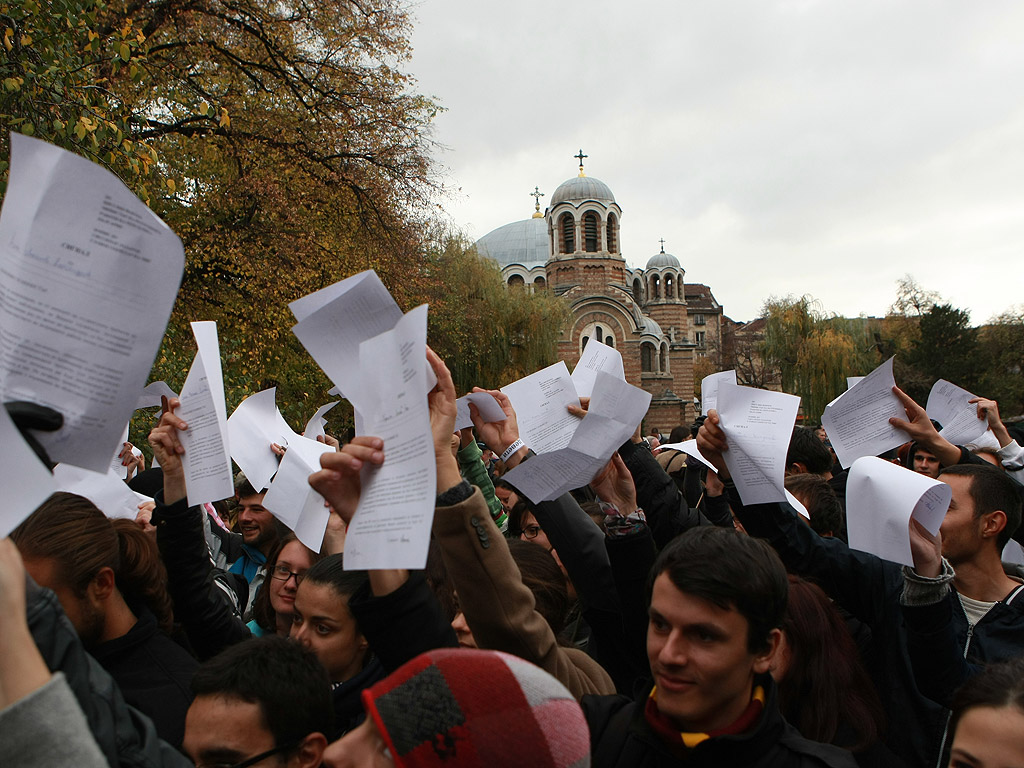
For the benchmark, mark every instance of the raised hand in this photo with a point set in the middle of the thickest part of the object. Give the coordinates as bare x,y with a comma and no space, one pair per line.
614,485
338,481
926,550
168,450
712,444
920,429
498,435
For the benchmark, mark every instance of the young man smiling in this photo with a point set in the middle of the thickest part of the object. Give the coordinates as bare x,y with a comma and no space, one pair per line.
717,600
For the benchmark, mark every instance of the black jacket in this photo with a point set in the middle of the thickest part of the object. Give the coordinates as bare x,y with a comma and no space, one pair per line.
202,603
154,674
620,737
869,588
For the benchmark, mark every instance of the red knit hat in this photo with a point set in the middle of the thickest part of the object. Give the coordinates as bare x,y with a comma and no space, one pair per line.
461,708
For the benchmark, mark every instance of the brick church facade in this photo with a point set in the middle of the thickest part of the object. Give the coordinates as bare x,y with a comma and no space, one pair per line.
657,322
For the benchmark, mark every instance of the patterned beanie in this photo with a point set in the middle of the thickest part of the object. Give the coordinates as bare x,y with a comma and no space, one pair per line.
462,708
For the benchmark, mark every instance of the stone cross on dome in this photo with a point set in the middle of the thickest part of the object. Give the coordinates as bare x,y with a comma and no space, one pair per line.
662,241
537,195
580,157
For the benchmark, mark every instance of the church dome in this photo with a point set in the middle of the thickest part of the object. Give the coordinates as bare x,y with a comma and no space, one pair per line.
521,242
581,189
649,326
663,260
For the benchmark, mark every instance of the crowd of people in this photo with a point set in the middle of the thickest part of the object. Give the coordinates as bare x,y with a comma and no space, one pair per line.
650,618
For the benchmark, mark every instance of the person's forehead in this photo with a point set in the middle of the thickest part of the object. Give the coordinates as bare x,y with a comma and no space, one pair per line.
923,454
320,600
686,608
256,500
225,723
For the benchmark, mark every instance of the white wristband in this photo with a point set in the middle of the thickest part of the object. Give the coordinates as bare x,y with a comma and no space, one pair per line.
511,449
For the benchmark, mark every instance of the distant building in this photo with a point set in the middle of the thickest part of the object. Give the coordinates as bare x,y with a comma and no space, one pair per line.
656,321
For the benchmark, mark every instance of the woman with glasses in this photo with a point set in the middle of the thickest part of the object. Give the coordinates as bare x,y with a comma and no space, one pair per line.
274,605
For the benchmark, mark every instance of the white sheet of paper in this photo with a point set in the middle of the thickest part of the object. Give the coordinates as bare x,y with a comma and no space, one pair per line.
26,481
317,422
596,357
106,490
852,381
758,425
88,276
334,321
858,422
485,404
948,404
541,402
150,397
689,447
291,499
881,497
709,389
391,527
116,467
207,460
616,408
255,424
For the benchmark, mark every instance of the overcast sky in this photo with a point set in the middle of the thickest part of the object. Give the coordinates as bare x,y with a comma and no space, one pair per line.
779,147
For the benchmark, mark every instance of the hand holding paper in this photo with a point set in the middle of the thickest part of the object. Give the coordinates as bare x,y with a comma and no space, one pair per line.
881,500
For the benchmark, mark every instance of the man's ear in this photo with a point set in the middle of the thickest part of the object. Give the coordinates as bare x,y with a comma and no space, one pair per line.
311,751
796,468
993,523
765,658
103,584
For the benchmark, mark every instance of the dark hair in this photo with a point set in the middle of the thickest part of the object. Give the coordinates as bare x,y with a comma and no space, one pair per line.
286,680
330,571
807,448
822,504
998,686
991,490
515,517
81,540
243,488
730,570
679,434
545,580
825,685
262,612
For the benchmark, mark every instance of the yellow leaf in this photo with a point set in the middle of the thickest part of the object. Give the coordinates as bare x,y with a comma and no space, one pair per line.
124,51
225,119
26,40
8,34
171,185
204,108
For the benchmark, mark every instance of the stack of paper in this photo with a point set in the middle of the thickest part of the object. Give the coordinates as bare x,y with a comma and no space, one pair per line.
758,425
950,405
881,498
616,408
857,422
89,276
207,461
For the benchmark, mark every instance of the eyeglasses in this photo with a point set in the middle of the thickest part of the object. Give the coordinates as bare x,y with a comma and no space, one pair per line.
531,531
254,759
281,573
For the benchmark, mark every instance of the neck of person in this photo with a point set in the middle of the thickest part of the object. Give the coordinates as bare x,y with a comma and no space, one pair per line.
118,618
982,577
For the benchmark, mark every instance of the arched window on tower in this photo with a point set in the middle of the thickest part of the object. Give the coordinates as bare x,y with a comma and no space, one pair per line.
516,281
539,283
664,358
646,357
670,288
567,232
613,233
591,232
598,331
638,291
655,287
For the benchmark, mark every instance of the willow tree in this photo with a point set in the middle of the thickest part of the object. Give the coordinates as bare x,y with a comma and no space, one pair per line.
814,352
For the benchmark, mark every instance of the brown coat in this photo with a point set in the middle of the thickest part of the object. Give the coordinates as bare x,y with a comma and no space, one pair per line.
499,608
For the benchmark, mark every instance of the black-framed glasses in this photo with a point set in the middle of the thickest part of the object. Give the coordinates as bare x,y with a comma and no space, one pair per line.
531,531
254,759
281,573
